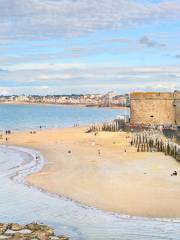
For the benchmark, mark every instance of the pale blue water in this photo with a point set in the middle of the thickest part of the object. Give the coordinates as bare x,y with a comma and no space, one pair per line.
24,204
32,116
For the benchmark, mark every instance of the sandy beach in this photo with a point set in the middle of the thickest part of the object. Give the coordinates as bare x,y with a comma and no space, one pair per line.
104,171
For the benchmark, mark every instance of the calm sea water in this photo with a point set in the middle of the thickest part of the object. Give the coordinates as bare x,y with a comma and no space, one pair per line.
32,116
22,203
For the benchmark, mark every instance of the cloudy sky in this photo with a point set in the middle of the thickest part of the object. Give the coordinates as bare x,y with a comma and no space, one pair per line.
85,46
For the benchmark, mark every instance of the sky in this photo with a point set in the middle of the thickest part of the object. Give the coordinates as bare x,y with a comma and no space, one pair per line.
89,46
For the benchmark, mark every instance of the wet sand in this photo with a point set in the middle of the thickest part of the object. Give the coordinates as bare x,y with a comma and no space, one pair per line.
104,171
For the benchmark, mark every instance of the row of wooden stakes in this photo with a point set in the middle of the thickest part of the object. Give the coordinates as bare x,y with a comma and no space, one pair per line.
113,126
154,141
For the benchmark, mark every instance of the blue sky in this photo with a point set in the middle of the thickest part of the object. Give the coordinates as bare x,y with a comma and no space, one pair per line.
82,46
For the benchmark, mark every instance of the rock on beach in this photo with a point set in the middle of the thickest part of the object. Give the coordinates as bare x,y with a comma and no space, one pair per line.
32,231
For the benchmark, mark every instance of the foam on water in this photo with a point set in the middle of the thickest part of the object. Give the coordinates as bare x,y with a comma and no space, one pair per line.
22,203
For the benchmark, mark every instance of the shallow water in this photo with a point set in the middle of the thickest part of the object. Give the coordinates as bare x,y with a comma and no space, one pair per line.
22,203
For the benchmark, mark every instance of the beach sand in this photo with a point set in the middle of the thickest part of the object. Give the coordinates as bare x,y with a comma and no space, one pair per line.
97,171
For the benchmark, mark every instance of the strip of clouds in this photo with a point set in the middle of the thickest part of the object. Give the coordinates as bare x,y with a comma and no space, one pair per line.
89,88
34,19
81,78
45,66
82,67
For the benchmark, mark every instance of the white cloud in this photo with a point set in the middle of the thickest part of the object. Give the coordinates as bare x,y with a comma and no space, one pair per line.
4,91
45,18
44,66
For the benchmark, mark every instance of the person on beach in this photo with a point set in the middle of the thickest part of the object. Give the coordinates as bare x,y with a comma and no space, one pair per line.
99,152
174,173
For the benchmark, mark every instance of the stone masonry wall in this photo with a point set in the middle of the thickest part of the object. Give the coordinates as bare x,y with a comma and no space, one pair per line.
177,110
155,108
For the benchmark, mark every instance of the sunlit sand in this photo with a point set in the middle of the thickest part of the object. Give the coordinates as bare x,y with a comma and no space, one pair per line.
104,171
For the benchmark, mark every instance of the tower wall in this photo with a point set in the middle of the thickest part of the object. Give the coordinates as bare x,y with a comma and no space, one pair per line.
155,108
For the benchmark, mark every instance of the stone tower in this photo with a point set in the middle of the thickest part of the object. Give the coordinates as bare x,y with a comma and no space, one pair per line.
155,108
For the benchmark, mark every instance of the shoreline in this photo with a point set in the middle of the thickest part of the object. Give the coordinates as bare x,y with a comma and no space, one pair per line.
65,105
115,177
39,166
96,222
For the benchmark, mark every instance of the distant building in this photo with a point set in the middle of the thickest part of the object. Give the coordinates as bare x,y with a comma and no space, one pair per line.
22,98
155,108
121,100
107,99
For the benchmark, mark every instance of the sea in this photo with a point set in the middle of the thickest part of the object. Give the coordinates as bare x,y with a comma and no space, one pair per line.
23,203
24,117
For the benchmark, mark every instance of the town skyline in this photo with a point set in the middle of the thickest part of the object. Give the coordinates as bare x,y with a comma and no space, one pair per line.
105,100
